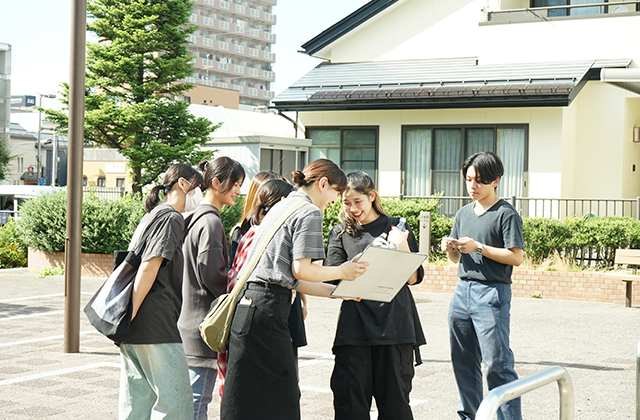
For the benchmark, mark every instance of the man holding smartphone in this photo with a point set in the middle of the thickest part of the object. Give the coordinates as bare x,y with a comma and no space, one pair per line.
489,243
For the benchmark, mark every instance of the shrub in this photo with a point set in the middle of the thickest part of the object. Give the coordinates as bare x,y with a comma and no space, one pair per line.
440,227
107,225
13,253
230,215
543,236
409,209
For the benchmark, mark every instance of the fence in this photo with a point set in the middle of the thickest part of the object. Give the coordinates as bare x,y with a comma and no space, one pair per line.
557,208
112,193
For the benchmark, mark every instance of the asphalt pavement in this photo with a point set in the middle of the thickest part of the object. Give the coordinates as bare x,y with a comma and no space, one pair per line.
595,342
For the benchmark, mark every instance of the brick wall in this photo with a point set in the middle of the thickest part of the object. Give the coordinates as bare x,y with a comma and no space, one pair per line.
93,265
585,286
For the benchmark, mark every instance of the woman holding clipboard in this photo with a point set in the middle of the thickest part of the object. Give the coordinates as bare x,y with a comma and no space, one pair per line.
375,341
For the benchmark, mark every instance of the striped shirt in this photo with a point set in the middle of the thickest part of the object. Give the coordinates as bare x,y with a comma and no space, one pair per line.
300,236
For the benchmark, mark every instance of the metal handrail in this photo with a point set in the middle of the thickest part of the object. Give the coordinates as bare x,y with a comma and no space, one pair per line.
567,6
512,390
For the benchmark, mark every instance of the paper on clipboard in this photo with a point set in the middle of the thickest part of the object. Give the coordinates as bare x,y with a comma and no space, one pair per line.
388,271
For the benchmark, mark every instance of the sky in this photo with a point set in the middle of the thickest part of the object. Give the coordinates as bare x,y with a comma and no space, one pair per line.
39,34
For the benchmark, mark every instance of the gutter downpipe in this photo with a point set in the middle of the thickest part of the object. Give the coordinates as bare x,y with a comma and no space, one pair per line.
626,78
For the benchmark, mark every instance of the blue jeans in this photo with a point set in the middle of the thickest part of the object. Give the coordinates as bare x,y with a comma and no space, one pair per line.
479,332
154,382
202,383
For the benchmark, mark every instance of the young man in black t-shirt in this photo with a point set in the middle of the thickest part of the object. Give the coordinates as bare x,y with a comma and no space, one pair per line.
486,241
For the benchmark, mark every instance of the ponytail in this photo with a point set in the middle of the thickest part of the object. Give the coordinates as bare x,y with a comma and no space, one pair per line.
320,168
171,177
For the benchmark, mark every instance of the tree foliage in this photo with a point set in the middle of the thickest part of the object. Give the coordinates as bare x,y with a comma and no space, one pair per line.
133,73
5,156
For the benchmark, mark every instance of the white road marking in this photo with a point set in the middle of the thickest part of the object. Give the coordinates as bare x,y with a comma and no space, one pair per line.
59,372
38,340
39,297
31,297
11,318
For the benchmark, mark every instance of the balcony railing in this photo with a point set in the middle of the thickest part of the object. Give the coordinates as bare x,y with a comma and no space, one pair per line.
573,10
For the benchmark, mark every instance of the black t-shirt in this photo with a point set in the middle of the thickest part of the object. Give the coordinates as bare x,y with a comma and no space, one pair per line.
369,323
157,318
501,227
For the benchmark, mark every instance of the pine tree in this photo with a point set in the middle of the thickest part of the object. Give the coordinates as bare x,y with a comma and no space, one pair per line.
133,74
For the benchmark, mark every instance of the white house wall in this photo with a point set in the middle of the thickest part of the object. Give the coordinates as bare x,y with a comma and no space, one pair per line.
423,29
545,133
415,29
588,38
631,150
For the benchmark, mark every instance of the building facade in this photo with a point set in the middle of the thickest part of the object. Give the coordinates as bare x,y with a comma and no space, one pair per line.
232,48
410,88
5,89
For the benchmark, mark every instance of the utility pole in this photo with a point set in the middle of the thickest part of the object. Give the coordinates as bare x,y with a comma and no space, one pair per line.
73,240
38,161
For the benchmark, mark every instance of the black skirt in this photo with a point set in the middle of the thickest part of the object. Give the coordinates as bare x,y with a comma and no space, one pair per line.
261,381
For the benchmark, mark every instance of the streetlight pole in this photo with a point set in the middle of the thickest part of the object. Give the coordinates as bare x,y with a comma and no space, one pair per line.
38,161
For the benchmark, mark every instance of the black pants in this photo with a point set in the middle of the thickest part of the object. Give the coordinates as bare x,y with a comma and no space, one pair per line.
363,372
261,381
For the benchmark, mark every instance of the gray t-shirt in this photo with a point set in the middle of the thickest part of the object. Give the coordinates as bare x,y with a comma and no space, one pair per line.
500,227
300,236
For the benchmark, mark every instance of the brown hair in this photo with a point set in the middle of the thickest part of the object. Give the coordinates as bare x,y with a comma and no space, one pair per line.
361,183
227,170
257,181
318,169
270,194
173,175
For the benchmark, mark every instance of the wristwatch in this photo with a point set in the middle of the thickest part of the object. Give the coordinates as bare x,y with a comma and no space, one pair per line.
479,248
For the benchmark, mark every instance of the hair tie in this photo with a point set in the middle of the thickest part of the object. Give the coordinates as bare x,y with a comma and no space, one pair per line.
262,206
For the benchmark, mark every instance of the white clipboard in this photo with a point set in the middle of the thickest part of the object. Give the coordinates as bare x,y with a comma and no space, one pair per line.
388,271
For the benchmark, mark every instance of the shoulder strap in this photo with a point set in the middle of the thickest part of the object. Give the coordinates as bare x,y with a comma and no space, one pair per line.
247,269
147,230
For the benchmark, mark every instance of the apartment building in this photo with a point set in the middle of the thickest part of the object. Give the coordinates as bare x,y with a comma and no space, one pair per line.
5,88
232,48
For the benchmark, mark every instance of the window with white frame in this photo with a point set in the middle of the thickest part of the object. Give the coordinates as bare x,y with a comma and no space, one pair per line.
433,156
351,148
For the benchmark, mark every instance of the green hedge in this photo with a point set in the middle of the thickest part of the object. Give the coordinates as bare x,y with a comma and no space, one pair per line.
409,209
107,225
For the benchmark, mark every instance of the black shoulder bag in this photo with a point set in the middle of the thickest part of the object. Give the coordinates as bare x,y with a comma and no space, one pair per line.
110,308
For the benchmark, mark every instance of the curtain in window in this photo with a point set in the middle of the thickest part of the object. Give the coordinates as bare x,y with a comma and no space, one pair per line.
446,162
417,162
511,149
479,140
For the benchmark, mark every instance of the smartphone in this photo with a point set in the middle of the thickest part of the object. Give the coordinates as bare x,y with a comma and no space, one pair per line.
449,239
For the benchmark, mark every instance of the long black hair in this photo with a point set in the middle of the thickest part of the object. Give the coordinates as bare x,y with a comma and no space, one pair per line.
173,175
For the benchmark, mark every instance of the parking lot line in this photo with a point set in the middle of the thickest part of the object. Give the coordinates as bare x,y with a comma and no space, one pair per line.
59,372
